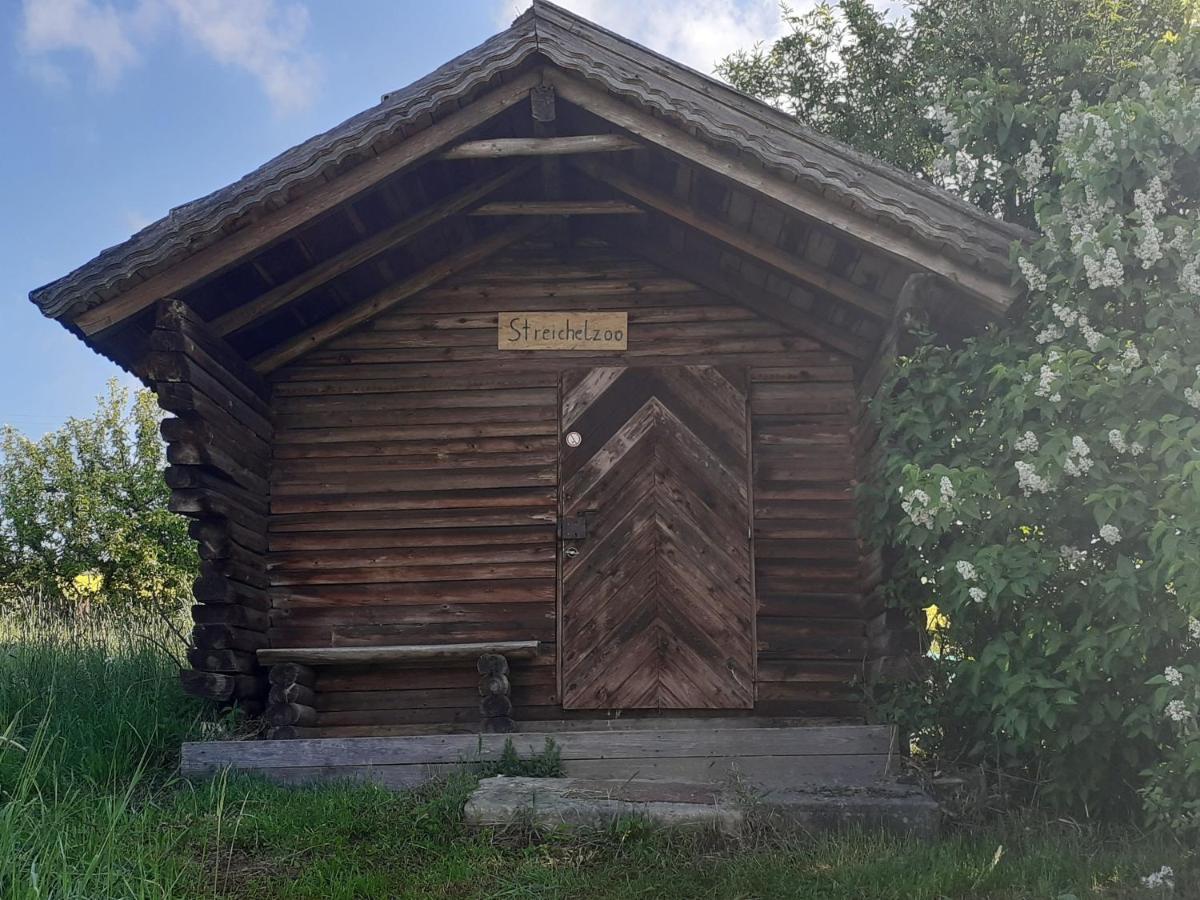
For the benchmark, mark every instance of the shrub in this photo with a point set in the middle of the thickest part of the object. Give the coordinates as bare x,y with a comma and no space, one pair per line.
1042,487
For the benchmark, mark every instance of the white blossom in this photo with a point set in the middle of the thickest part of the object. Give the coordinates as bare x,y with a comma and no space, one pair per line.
1173,675
1194,628
1046,379
977,594
1050,333
1106,271
1189,277
1026,443
1029,481
1192,396
1066,315
1056,397
1148,206
1177,711
1110,534
1117,440
1072,556
1163,878
1090,334
1033,166
1034,277
1077,461
916,506
952,131
966,570
1136,449
946,488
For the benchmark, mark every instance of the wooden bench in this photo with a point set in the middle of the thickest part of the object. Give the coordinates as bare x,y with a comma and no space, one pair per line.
293,676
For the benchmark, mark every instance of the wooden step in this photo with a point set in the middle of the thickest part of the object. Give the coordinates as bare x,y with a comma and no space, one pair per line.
767,758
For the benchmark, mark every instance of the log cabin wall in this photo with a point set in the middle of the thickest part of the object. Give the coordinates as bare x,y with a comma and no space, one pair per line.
219,450
414,488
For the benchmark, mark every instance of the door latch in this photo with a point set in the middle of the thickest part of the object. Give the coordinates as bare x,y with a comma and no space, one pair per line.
572,528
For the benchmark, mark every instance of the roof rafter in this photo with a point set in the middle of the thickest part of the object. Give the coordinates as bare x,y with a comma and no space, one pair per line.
242,316
764,251
233,249
994,293
754,298
342,321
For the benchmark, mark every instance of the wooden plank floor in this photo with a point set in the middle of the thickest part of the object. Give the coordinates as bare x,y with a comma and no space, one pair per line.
763,757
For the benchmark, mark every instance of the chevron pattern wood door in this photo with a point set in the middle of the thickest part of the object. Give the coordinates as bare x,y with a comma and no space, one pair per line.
657,603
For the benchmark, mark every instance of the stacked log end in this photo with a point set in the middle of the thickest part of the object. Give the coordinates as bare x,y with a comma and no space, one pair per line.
293,689
495,702
219,450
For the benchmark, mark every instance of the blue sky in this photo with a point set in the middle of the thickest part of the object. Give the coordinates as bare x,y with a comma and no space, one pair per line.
116,110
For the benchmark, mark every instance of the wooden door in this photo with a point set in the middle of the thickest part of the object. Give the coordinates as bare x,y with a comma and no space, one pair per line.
657,607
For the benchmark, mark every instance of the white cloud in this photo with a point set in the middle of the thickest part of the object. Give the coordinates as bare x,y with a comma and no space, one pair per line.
96,29
264,38
698,33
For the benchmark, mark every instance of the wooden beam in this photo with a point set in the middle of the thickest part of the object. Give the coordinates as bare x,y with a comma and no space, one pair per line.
346,319
775,308
542,146
237,319
557,208
338,656
233,249
752,245
995,293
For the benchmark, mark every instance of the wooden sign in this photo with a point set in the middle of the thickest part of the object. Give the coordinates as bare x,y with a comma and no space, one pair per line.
563,331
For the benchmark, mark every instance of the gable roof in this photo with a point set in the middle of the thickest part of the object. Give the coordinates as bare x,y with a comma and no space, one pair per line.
714,112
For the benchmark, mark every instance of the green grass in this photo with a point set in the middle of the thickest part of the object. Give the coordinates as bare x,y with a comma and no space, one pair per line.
91,807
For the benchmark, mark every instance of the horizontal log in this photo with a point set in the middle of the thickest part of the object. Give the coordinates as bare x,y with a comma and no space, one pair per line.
494,684
557,208
225,661
180,368
228,614
227,637
218,590
493,148
178,328
495,705
220,688
225,410
332,656
293,693
281,714
494,662
286,673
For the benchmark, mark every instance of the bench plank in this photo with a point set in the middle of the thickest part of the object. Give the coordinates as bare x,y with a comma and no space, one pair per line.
336,656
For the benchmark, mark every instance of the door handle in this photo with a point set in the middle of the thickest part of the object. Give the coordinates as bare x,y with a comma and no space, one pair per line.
570,552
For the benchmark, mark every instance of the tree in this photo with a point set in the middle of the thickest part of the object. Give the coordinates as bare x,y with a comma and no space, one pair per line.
84,522
1042,486
880,85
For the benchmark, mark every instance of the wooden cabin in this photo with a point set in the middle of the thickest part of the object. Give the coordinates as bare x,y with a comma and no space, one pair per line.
550,367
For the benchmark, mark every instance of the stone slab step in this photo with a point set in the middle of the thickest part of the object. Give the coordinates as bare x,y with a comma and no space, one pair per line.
597,803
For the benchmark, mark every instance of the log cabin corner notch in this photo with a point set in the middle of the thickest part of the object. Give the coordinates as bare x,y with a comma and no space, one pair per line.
674,522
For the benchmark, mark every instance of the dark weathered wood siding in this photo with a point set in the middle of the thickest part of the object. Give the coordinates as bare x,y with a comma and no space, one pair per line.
414,487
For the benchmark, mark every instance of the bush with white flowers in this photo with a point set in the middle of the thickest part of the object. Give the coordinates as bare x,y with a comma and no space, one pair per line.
1065,552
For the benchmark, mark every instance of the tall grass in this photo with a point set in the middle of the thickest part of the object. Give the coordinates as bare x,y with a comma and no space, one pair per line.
91,719
91,808
101,697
